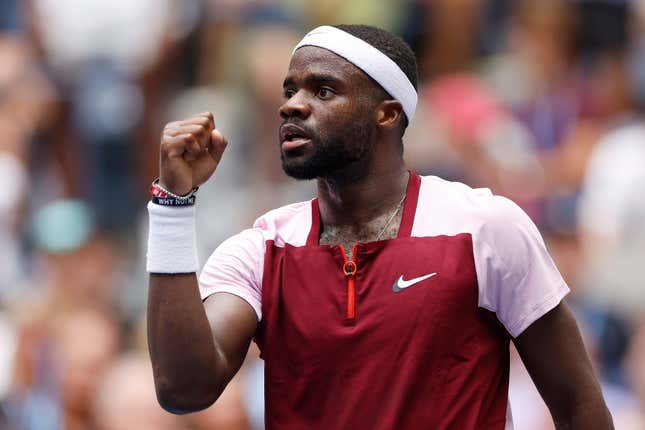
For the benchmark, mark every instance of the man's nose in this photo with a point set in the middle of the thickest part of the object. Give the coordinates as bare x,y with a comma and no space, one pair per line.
295,106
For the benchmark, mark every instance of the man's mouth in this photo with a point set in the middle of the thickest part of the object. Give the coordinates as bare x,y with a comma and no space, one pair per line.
293,137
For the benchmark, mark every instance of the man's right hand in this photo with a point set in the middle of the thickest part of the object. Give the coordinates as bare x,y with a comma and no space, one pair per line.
190,152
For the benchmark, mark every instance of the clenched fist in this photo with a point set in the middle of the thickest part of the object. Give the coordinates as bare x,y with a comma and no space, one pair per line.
190,152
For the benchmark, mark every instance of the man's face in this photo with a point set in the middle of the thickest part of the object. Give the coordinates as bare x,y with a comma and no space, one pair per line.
328,114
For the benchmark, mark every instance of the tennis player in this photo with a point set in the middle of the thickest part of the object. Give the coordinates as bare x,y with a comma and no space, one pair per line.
387,302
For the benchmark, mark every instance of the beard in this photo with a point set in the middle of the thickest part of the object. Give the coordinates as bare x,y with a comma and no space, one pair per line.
333,151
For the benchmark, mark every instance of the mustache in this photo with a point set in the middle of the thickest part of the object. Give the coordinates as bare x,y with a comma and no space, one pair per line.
300,124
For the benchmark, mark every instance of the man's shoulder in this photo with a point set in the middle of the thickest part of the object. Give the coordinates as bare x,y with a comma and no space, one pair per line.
453,192
287,224
459,208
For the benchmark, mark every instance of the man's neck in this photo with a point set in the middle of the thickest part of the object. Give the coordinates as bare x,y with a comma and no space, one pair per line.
364,198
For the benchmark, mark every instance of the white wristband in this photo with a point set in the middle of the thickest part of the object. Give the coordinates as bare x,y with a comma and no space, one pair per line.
172,244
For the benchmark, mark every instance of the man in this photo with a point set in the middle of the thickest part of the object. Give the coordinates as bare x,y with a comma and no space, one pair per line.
387,302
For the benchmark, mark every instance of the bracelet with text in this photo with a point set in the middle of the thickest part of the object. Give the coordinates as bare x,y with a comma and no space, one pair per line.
163,197
172,201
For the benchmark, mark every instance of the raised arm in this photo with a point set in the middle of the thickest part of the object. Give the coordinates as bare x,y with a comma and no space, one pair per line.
195,348
553,353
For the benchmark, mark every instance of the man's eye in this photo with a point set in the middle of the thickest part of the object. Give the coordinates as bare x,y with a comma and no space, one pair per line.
289,93
325,93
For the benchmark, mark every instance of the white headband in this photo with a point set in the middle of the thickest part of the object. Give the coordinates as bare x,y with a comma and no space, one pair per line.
376,64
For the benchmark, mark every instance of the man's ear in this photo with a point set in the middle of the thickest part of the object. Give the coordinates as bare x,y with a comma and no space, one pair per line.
389,114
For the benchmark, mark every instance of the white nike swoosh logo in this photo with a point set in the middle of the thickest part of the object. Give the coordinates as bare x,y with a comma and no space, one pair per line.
402,284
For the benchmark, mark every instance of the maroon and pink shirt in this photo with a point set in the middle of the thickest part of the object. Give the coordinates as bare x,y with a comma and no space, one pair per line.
413,332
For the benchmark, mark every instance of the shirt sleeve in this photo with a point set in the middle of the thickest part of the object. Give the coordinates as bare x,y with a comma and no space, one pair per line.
236,267
517,277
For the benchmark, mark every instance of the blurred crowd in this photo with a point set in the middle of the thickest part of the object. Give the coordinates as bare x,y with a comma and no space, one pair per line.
542,101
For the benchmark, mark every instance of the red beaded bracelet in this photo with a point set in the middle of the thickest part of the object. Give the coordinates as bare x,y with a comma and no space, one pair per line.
157,190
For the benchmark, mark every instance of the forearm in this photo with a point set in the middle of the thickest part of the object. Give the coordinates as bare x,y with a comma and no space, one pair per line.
188,374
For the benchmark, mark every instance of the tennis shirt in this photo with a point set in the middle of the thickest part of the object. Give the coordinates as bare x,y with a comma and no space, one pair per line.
413,332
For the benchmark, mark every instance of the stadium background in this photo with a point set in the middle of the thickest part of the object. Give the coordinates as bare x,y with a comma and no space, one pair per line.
540,100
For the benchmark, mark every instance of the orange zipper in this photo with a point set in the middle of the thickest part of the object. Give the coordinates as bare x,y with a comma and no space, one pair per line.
349,269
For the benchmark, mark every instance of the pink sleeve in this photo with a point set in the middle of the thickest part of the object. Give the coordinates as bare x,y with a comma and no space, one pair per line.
236,267
517,278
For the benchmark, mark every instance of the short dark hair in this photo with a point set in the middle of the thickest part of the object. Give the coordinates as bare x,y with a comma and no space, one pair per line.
389,44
